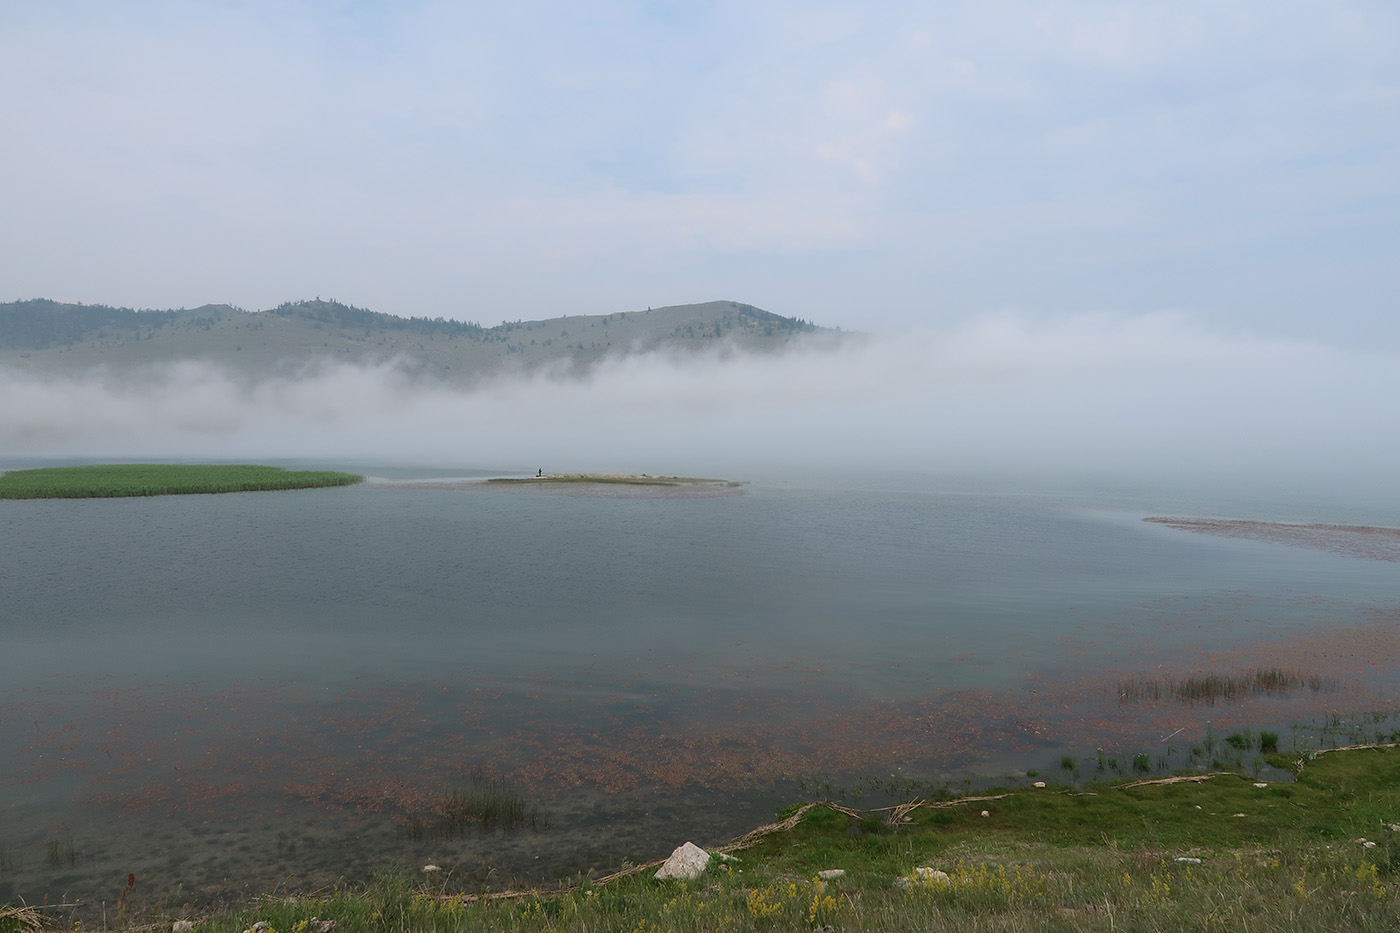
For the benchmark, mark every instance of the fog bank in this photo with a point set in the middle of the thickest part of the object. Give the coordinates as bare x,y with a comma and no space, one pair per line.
1154,397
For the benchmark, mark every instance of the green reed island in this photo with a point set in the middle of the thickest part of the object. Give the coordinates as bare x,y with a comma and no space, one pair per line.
160,479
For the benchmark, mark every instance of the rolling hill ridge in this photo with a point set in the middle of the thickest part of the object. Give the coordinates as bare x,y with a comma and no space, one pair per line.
52,337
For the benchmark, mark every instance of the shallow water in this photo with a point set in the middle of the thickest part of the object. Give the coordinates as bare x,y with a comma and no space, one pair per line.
222,694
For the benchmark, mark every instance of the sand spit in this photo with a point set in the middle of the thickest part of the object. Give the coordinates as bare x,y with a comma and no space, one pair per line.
1349,540
587,485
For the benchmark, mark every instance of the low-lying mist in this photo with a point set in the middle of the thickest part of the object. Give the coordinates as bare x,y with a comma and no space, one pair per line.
1151,398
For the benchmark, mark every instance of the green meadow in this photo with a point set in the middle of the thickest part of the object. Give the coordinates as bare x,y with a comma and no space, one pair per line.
159,479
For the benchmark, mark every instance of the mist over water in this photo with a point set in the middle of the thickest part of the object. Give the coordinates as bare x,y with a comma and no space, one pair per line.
1103,398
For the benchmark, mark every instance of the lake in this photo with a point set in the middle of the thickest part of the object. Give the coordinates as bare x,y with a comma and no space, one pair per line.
224,695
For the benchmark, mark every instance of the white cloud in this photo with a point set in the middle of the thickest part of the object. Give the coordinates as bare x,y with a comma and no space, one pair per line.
896,122
1078,137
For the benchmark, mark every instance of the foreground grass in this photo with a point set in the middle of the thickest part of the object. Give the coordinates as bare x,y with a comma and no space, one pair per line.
626,479
159,479
1027,888
1219,854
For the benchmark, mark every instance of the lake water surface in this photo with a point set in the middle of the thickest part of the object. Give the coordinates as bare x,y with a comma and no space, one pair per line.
229,694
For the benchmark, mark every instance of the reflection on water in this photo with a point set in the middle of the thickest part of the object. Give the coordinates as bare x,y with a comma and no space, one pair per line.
227,694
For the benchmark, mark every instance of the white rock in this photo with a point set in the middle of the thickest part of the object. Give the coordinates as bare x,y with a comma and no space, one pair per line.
182,926
687,862
986,813
1261,785
429,869
828,874
1393,827
1188,860
1369,845
1038,784
923,876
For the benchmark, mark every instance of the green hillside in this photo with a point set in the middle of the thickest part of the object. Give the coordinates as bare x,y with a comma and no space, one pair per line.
49,336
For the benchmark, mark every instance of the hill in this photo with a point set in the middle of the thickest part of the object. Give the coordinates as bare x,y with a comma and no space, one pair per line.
50,336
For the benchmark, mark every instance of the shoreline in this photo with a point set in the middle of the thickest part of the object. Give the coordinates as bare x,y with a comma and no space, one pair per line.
1091,854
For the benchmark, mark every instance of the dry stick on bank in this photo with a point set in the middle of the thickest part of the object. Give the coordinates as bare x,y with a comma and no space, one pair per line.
939,804
1181,779
1298,765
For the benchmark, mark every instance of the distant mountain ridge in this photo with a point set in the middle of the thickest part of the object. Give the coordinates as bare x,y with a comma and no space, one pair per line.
53,336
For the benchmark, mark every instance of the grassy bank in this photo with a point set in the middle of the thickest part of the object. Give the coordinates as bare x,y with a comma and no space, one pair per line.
626,479
1219,852
159,479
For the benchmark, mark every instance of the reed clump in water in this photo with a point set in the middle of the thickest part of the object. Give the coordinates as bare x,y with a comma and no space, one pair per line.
1212,687
481,803
61,852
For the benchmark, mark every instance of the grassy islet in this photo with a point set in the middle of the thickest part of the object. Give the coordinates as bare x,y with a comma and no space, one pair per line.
159,479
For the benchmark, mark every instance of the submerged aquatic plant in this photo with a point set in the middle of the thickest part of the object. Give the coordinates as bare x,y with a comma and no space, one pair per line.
62,852
1211,687
481,803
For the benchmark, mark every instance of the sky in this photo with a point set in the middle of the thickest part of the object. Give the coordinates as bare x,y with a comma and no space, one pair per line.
889,167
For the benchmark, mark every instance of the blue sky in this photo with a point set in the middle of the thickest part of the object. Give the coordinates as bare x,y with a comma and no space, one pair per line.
901,166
